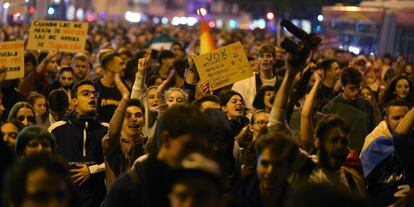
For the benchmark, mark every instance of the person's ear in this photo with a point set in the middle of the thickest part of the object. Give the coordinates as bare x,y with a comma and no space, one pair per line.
316,142
224,109
74,101
165,138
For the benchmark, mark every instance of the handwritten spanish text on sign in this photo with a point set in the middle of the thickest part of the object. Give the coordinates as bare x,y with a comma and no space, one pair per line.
12,59
57,35
223,66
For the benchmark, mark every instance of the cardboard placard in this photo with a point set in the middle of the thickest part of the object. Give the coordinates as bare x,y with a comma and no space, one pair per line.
12,59
223,66
64,36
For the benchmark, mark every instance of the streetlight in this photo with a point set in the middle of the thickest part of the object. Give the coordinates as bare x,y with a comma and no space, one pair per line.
202,12
6,5
270,16
320,17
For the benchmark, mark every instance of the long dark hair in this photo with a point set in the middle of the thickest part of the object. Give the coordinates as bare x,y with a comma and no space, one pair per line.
258,101
389,94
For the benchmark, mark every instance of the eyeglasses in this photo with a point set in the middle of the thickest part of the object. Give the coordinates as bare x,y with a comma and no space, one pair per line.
88,93
261,122
21,118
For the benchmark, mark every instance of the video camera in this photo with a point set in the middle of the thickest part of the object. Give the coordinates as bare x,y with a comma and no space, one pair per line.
300,51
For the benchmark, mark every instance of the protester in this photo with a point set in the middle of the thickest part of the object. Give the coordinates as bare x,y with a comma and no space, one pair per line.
23,112
197,183
232,104
357,112
249,87
394,112
40,79
109,95
207,101
80,67
124,142
387,164
142,78
181,130
268,186
33,140
332,133
65,79
38,101
264,98
328,90
79,142
400,88
10,130
58,102
39,180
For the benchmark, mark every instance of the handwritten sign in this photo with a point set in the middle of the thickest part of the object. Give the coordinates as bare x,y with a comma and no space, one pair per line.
57,35
223,66
12,59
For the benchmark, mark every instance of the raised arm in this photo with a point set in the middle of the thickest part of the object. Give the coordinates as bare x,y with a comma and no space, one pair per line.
191,78
37,81
306,123
406,125
162,103
277,114
42,65
143,65
111,141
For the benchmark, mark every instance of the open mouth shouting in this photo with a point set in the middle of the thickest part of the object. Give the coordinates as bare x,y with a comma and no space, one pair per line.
133,125
92,103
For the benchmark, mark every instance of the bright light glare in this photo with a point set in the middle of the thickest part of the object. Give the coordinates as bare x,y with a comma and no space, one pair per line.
80,14
354,50
133,16
202,12
175,21
270,15
191,21
232,24
261,23
219,23
51,11
164,20
320,17
6,5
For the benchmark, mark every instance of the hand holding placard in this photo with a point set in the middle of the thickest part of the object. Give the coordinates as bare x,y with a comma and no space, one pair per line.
223,66
12,59
64,36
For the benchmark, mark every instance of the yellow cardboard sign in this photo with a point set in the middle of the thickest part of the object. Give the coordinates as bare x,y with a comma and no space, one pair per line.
64,36
223,66
12,59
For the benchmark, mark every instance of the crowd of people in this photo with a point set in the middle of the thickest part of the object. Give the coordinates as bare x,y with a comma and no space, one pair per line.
128,122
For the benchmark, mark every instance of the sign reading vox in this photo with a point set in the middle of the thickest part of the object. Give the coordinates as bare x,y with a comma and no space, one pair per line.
12,59
57,35
223,66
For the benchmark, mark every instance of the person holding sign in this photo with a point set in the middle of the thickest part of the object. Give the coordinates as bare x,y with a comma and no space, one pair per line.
248,87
